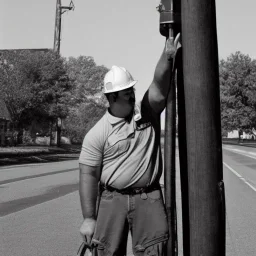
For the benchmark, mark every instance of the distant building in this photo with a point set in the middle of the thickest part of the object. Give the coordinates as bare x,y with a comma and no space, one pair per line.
31,50
235,134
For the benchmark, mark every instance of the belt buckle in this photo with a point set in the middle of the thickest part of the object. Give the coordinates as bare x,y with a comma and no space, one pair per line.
137,190
143,196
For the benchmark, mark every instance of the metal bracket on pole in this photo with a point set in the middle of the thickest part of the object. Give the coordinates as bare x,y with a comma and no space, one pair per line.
170,17
68,8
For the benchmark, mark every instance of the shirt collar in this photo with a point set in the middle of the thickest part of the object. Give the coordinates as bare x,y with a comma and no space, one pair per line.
113,119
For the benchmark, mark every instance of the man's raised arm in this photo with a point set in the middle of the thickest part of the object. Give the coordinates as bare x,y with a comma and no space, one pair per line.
159,88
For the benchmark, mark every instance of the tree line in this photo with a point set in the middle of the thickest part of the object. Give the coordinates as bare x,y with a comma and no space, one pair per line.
39,88
238,93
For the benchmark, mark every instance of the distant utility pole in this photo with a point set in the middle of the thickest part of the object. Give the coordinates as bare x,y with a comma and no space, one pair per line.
56,48
57,30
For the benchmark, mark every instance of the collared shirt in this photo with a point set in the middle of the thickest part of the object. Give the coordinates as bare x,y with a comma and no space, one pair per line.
125,151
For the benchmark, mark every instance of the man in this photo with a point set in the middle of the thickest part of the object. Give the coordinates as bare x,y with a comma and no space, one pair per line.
122,153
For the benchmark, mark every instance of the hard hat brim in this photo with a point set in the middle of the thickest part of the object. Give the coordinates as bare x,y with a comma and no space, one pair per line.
120,88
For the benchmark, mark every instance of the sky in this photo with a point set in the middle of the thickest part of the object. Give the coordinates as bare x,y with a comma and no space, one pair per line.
117,32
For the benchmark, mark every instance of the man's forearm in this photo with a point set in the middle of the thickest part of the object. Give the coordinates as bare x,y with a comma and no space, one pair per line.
162,73
159,88
88,190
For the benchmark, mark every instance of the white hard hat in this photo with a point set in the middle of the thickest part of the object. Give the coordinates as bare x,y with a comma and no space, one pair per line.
117,79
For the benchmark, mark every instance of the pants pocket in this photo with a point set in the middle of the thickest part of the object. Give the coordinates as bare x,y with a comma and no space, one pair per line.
100,249
153,247
155,195
107,195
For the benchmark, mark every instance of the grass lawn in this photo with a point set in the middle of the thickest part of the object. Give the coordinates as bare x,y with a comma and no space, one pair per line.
26,149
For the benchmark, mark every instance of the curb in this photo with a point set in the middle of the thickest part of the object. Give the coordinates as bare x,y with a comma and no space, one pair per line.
37,158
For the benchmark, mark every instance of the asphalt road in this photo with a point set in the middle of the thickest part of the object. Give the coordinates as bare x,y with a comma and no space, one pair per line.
240,179
40,209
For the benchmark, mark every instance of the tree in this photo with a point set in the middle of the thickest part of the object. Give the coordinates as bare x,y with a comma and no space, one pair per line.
40,87
35,86
14,91
88,103
87,78
80,120
238,93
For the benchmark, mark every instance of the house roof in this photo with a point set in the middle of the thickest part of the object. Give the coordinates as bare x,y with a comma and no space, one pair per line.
4,113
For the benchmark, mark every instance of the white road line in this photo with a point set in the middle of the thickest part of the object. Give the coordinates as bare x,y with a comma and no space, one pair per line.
7,167
40,175
232,170
240,177
244,153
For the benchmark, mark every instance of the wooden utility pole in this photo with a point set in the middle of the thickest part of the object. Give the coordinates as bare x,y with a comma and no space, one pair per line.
57,28
206,199
170,27
56,48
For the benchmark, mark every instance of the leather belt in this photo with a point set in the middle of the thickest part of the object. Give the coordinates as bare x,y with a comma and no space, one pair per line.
132,191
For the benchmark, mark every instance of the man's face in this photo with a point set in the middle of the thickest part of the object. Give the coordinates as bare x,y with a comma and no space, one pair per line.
126,99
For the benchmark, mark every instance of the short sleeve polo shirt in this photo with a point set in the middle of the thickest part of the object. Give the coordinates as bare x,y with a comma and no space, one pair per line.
125,151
